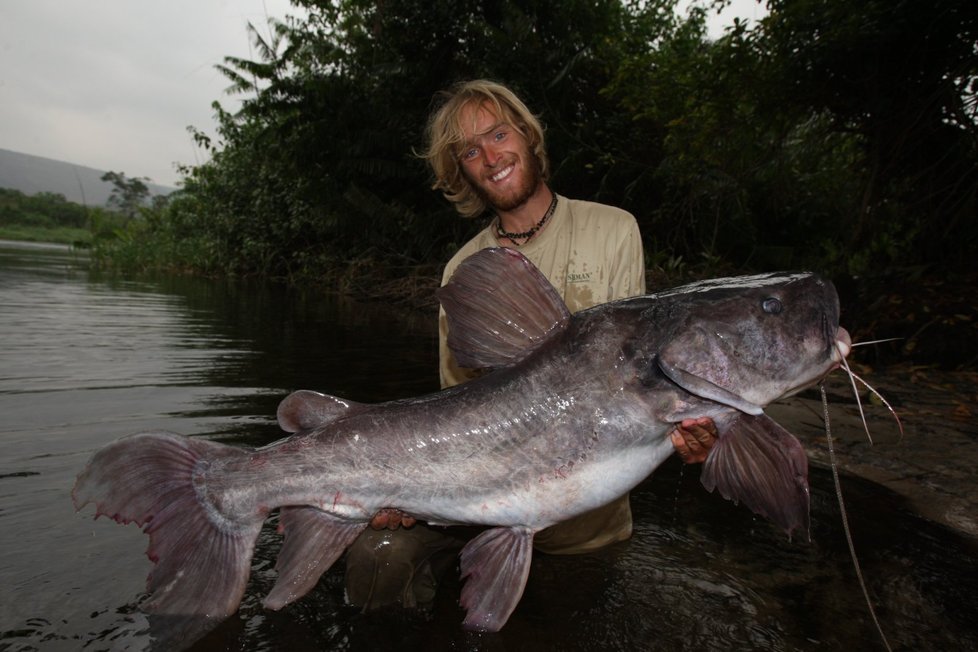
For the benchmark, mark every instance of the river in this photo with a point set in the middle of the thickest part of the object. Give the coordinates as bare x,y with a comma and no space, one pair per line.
86,359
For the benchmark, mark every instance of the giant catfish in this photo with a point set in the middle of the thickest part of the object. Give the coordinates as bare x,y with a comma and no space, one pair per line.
576,412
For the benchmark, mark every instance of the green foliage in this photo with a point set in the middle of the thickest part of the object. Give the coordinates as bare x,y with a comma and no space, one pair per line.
830,135
827,136
128,195
44,209
902,78
43,217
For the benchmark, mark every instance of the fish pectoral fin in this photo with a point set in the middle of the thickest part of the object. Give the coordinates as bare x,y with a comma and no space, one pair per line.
762,465
305,409
499,308
495,566
705,389
314,540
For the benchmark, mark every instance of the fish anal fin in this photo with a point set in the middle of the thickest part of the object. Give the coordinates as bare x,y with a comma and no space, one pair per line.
305,409
314,540
495,566
760,464
500,308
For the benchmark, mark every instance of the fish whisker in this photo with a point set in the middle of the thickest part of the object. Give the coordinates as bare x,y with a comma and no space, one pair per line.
853,377
855,391
888,339
872,389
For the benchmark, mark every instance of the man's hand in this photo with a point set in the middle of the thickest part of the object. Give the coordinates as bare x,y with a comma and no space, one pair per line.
693,439
391,519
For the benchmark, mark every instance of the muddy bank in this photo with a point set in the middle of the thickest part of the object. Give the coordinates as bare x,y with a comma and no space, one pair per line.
932,464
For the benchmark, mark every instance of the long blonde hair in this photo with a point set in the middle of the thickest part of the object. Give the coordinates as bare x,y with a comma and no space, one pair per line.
445,137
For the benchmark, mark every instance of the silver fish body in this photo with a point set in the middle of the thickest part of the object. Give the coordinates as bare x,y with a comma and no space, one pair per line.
576,411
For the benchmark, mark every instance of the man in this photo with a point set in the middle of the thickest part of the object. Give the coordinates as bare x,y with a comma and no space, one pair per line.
487,153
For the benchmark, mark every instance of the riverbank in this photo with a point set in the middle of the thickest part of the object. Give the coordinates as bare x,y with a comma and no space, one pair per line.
61,235
930,464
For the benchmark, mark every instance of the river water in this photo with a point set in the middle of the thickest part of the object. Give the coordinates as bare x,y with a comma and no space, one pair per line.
86,359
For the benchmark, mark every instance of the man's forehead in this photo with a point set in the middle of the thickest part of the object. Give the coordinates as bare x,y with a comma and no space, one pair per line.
479,119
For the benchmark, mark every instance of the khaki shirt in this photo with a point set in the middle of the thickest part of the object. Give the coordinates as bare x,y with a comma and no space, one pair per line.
592,254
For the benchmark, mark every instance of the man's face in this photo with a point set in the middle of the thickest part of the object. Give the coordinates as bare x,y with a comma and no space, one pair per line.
496,160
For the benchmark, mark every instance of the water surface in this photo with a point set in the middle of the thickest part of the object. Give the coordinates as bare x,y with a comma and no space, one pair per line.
87,359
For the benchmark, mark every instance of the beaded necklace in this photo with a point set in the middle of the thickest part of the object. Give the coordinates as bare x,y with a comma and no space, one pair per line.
526,235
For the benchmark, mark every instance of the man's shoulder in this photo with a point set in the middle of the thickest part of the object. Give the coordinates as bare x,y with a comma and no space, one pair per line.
591,209
588,215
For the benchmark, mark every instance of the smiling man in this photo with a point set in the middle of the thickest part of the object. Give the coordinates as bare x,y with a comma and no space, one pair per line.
488,156
487,152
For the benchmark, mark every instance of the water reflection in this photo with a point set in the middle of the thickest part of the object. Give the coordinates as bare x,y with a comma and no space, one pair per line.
89,358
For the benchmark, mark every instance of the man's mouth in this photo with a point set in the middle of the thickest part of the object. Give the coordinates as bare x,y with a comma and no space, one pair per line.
502,174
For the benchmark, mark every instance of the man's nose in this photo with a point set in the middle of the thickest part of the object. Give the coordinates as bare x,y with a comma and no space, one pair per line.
491,155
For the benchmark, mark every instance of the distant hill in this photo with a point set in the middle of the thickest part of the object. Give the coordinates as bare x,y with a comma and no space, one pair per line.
82,185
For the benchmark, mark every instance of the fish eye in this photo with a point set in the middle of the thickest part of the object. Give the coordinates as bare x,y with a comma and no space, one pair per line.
772,306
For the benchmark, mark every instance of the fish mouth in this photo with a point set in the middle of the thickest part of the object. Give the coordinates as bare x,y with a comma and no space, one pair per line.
842,348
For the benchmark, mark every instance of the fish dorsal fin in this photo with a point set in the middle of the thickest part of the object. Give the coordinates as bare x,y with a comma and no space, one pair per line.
705,389
760,464
500,308
305,410
495,566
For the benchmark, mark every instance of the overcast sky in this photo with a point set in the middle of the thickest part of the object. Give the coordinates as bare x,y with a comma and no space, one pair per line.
113,84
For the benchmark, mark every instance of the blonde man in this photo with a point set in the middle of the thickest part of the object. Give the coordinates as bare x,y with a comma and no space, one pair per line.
487,152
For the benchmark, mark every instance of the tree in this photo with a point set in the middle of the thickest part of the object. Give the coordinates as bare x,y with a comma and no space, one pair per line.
833,135
318,163
127,194
902,78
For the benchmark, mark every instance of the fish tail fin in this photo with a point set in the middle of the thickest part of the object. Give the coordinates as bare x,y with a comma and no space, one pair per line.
202,558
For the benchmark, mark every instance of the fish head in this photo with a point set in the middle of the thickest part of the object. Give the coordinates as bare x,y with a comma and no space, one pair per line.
750,340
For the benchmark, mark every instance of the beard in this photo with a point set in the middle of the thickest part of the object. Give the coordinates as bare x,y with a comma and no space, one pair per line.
512,200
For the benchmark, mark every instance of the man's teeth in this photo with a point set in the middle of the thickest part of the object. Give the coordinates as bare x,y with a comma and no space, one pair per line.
502,174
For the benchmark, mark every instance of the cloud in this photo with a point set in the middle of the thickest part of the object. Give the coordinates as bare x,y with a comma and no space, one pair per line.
113,84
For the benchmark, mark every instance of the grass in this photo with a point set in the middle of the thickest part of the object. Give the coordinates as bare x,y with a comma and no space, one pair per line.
60,235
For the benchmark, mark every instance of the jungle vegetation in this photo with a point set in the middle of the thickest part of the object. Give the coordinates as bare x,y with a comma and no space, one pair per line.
840,135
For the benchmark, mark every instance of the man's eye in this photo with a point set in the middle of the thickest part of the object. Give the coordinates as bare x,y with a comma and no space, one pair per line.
469,154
